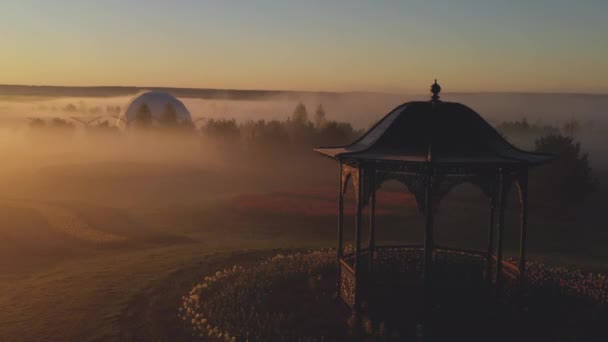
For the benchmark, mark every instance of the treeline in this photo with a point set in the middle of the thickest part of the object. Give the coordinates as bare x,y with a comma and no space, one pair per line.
300,130
524,134
81,108
568,181
67,128
523,127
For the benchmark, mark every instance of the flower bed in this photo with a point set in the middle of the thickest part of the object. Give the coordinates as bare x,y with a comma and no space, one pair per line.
318,202
250,303
290,297
561,281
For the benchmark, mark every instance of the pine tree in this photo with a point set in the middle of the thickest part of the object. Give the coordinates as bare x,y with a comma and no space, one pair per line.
300,114
320,117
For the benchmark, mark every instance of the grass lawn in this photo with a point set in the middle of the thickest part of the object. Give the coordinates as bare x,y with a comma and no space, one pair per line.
58,284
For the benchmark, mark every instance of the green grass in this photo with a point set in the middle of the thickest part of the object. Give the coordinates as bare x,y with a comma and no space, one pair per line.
54,286
151,314
84,300
85,296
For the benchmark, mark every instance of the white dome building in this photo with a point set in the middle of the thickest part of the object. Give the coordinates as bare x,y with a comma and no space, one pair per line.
158,103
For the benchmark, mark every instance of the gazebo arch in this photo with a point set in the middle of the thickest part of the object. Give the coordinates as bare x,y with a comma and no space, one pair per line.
465,205
430,146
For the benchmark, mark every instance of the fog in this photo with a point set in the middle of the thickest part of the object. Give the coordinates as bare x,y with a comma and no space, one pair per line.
359,109
126,169
84,207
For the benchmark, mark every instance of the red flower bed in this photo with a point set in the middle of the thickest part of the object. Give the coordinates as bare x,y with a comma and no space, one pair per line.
319,202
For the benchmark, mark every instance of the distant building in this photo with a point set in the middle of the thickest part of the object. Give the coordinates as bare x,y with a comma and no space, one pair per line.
156,105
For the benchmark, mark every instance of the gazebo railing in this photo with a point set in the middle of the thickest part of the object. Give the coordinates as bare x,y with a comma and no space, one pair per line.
347,283
406,261
382,253
411,253
509,269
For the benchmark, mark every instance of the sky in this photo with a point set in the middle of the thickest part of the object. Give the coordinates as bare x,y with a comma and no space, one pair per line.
331,45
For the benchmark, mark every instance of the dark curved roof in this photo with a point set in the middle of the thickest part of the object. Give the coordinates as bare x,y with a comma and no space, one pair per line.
441,132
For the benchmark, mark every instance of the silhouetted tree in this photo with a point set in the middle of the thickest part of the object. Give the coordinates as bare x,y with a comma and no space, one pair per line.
103,127
112,109
524,134
222,131
301,130
143,116
70,108
265,135
300,114
61,124
571,127
567,180
187,125
37,123
336,133
168,117
320,117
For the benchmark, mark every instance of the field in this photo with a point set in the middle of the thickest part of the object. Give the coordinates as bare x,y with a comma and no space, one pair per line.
76,268
99,238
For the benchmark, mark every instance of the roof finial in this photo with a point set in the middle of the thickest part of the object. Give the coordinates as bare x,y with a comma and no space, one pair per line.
435,89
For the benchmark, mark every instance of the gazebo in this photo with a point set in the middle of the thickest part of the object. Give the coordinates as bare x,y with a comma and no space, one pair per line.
430,146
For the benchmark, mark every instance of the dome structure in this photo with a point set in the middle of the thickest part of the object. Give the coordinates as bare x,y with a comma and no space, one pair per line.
157,103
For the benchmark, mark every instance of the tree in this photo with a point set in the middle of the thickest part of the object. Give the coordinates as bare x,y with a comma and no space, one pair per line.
60,123
523,134
168,117
300,129
37,123
571,127
187,126
143,116
113,109
263,135
300,114
224,132
568,180
320,117
70,108
336,133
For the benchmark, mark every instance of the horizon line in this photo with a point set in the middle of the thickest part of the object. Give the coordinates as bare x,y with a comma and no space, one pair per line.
304,91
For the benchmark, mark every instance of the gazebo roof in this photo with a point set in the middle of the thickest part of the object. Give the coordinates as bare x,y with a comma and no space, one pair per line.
437,131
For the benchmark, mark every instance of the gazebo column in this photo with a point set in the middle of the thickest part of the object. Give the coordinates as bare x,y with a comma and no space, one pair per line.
429,244
358,226
502,196
340,247
522,183
491,228
372,219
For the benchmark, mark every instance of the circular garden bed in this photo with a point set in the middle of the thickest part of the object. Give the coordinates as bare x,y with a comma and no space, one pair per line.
292,297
